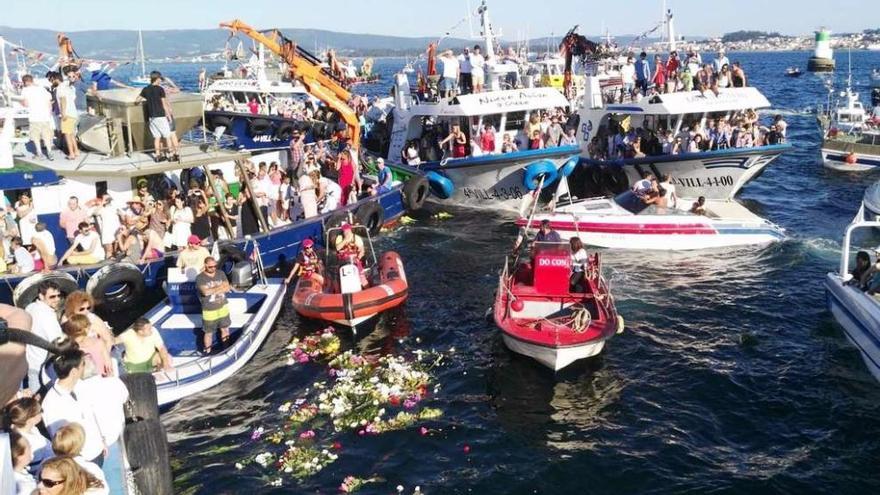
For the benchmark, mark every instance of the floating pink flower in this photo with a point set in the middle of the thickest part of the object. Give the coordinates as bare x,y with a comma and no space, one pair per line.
467,449
423,431
302,358
307,434
337,446
409,403
257,433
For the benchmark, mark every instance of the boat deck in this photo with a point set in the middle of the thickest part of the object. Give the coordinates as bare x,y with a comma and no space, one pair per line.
727,210
134,164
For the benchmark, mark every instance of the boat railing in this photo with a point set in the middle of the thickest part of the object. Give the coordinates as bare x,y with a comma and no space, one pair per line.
857,223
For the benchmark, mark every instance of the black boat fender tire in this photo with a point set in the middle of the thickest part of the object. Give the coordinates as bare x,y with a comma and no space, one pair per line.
147,456
284,131
142,403
372,216
116,286
27,290
258,126
219,121
415,192
336,219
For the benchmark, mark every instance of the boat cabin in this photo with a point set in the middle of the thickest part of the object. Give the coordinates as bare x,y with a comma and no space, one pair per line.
551,268
849,116
428,122
273,97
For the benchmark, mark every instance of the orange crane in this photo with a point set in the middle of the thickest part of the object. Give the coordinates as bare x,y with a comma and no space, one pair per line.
304,66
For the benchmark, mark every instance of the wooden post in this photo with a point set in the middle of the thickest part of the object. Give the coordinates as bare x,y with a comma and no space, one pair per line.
243,174
220,202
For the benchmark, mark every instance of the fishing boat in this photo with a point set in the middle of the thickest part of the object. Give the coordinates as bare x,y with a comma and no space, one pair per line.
253,309
351,294
854,309
851,136
143,79
542,317
871,200
714,173
793,72
626,221
470,177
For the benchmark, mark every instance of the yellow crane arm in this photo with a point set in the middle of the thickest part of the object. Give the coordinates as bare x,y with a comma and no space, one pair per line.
306,68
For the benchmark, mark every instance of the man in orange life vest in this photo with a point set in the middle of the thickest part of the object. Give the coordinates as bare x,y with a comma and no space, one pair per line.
350,247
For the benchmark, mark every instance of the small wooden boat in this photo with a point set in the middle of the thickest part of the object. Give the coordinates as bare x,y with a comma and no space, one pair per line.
179,318
342,297
540,316
793,72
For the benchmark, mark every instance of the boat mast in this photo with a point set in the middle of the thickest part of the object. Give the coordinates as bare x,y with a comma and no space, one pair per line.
6,82
141,50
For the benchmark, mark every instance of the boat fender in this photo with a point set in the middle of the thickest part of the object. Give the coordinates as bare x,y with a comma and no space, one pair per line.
230,254
533,173
851,159
620,324
336,219
372,216
285,130
415,192
258,126
220,121
517,305
27,290
116,286
568,167
148,460
441,186
142,401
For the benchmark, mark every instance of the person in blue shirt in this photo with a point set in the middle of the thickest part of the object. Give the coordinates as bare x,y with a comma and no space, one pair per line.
643,73
101,79
546,233
385,177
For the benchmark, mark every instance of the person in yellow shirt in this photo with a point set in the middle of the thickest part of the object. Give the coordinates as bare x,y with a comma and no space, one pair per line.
145,350
193,255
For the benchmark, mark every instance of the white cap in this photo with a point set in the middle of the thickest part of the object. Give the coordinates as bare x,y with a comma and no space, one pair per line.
93,66
379,160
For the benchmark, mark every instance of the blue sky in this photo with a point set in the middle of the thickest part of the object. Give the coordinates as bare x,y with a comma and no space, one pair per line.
422,17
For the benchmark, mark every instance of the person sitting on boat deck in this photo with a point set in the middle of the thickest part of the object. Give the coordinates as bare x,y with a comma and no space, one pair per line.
457,142
350,248
385,177
579,257
145,350
89,244
160,115
212,286
193,256
737,76
862,271
699,206
644,186
44,248
546,233
410,154
308,264
781,127
706,81
23,261
68,441
508,145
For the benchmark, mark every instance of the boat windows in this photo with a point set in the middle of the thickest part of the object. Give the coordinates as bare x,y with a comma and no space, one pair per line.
629,201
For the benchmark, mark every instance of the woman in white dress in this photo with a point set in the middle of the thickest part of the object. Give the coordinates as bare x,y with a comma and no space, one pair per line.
181,219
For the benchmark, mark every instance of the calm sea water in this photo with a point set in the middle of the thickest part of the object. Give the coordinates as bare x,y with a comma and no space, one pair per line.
731,376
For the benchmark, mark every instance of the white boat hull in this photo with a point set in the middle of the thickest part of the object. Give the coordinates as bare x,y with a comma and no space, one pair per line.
669,242
554,358
863,162
859,315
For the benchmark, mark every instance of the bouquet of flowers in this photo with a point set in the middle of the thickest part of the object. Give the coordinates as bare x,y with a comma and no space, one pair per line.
324,345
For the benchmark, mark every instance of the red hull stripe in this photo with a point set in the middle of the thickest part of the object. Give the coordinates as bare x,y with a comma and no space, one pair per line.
621,228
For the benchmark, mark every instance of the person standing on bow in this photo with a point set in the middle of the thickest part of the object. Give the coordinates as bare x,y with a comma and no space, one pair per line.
160,116
643,73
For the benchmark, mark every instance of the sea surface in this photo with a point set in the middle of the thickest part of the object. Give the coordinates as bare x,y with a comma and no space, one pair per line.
731,376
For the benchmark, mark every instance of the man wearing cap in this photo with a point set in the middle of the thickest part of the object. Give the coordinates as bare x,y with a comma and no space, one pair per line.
385,177
450,74
546,233
308,264
212,286
159,114
350,247
193,255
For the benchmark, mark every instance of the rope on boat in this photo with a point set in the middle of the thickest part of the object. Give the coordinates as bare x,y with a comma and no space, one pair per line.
578,321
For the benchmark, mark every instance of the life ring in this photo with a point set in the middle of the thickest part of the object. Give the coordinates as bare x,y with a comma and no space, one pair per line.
219,121
116,286
415,192
533,173
142,401
230,253
372,216
851,159
148,459
441,186
568,167
258,126
27,290
284,131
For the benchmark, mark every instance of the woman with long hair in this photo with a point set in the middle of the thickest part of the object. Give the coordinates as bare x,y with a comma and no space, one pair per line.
578,264
81,302
63,476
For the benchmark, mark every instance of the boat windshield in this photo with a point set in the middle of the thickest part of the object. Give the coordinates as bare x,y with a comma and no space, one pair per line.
629,201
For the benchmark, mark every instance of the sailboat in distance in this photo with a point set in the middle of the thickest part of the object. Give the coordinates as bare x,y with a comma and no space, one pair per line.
143,79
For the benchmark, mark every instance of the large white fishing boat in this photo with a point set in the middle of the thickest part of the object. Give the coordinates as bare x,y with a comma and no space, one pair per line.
470,177
851,136
856,309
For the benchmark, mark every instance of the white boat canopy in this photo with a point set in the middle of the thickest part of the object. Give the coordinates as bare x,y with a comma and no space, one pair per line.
256,86
728,99
493,102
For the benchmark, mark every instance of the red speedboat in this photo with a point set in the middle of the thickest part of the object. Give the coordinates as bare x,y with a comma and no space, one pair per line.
353,291
541,317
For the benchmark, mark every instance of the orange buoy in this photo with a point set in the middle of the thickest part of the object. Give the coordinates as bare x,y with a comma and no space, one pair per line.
851,158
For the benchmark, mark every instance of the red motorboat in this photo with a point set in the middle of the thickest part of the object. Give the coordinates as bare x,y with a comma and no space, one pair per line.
354,288
540,316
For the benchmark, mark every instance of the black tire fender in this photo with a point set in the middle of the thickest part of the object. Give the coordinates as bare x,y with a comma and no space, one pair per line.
147,456
372,216
27,290
415,192
219,121
336,219
142,403
258,126
117,286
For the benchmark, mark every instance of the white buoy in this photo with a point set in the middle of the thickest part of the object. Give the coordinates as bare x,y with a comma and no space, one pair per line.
823,57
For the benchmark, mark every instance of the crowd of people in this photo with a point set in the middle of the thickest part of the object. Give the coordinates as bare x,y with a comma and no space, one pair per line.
675,73
741,130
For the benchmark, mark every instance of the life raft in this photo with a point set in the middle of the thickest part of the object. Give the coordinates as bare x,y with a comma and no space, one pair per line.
310,299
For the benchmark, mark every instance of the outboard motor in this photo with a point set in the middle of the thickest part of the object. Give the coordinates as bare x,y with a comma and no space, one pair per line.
241,277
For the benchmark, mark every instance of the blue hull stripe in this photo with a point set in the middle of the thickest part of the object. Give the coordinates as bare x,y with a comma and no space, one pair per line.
526,155
705,155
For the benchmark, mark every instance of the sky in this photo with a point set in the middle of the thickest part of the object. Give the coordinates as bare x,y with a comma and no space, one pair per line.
517,18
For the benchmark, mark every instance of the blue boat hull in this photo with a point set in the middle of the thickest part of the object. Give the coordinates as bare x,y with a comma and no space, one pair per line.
264,132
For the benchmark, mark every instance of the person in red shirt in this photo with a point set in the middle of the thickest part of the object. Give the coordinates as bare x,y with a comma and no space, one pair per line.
487,139
659,78
672,66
